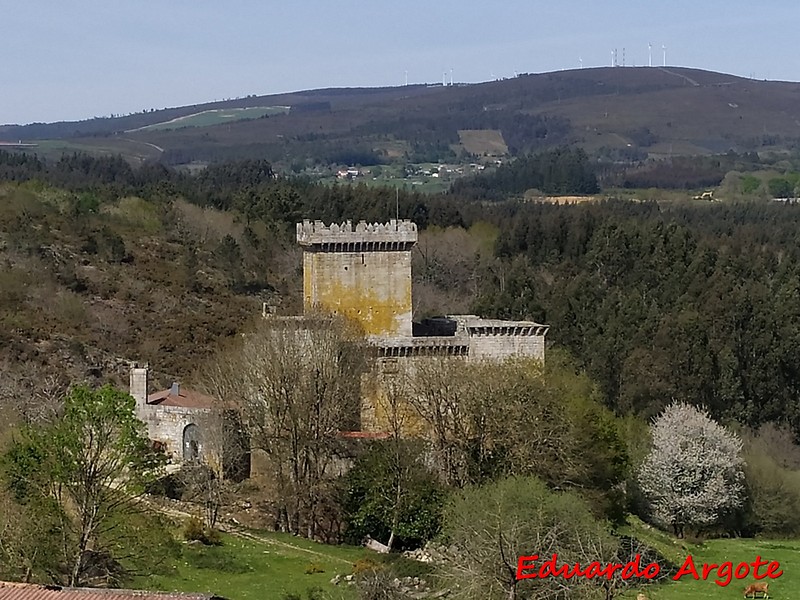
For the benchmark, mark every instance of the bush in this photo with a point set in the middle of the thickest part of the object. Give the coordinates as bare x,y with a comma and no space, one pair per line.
195,530
401,566
363,565
773,483
314,568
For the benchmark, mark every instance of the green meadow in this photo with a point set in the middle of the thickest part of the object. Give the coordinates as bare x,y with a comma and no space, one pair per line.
217,117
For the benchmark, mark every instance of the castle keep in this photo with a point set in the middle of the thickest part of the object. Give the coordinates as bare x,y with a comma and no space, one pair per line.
364,272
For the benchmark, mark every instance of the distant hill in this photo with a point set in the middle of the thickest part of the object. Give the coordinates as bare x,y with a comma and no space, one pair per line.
617,112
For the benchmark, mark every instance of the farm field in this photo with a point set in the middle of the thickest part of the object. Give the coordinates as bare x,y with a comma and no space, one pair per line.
483,142
216,117
134,150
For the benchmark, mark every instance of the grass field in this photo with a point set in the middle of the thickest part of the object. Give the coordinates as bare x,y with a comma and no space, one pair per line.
786,552
136,151
483,141
735,551
216,117
267,568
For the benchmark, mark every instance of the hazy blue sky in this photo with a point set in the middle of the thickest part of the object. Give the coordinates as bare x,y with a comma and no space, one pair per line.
74,59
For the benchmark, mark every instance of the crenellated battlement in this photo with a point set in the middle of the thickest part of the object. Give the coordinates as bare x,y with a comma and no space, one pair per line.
394,235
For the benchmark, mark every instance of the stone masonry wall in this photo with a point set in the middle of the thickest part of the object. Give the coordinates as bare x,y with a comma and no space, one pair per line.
372,288
499,347
166,424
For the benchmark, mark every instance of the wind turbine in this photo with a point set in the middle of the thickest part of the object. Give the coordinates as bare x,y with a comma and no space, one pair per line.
649,55
580,60
664,48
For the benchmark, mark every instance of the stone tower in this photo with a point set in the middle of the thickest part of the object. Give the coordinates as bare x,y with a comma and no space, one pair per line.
363,272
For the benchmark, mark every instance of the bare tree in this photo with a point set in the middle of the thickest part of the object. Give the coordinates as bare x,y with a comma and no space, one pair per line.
297,381
34,400
401,456
478,412
442,393
693,474
208,481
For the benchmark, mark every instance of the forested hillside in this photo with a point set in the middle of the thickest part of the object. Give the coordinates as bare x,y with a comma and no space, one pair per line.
685,311
621,114
656,301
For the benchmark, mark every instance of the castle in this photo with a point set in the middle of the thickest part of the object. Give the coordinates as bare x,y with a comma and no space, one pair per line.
364,273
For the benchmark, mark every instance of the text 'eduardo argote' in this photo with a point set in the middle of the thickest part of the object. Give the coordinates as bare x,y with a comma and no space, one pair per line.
723,573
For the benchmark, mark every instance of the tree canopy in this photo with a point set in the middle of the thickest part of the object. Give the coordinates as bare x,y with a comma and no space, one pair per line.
82,476
693,475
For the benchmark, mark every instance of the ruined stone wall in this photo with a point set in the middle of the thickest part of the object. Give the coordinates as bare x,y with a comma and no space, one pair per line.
389,388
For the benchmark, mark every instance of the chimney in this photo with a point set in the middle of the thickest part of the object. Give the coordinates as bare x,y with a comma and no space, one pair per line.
139,377
175,390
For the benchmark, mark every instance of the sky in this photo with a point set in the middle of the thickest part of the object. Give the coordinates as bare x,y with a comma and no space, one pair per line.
77,59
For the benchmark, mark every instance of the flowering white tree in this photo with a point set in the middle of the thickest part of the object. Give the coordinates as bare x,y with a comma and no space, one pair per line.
693,474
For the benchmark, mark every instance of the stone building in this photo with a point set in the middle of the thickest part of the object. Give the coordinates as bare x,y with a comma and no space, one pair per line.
190,426
364,272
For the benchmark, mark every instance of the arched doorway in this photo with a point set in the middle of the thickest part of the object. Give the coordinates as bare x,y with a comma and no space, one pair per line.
191,443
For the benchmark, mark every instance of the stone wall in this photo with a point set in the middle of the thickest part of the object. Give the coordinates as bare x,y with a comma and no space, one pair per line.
166,424
363,272
372,288
499,346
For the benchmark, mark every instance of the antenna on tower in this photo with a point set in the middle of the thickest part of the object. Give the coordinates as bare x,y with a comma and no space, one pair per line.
649,54
664,48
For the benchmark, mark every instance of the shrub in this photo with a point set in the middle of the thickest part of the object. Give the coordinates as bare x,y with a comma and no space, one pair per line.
405,567
362,565
314,568
195,530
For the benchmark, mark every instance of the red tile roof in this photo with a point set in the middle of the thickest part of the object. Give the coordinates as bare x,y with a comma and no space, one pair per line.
28,591
185,398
